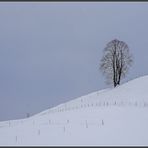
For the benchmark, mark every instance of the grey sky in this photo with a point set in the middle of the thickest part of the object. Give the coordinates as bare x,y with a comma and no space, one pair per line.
50,51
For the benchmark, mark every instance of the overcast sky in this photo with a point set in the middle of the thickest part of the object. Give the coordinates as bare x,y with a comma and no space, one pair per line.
50,51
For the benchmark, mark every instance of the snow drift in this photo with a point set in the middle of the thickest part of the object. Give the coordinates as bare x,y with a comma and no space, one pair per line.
113,116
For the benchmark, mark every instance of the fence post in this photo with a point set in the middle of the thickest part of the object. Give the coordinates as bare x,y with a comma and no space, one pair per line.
39,132
86,124
16,139
67,121
102,122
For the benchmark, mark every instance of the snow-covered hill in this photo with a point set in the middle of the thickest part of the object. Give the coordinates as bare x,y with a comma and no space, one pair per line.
114,116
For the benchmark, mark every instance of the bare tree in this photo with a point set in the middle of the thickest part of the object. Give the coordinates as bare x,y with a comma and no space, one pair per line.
116,61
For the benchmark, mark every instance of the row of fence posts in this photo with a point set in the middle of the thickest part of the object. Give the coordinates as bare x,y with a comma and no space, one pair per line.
64,127
86,122
105,103
78,107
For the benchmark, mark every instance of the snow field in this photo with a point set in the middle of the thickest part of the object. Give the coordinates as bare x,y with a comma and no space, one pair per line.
116,116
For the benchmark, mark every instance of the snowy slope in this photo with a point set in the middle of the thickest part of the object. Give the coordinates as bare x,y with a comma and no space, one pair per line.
114,116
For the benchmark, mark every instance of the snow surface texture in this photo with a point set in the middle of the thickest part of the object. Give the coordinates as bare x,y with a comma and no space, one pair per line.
115,116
